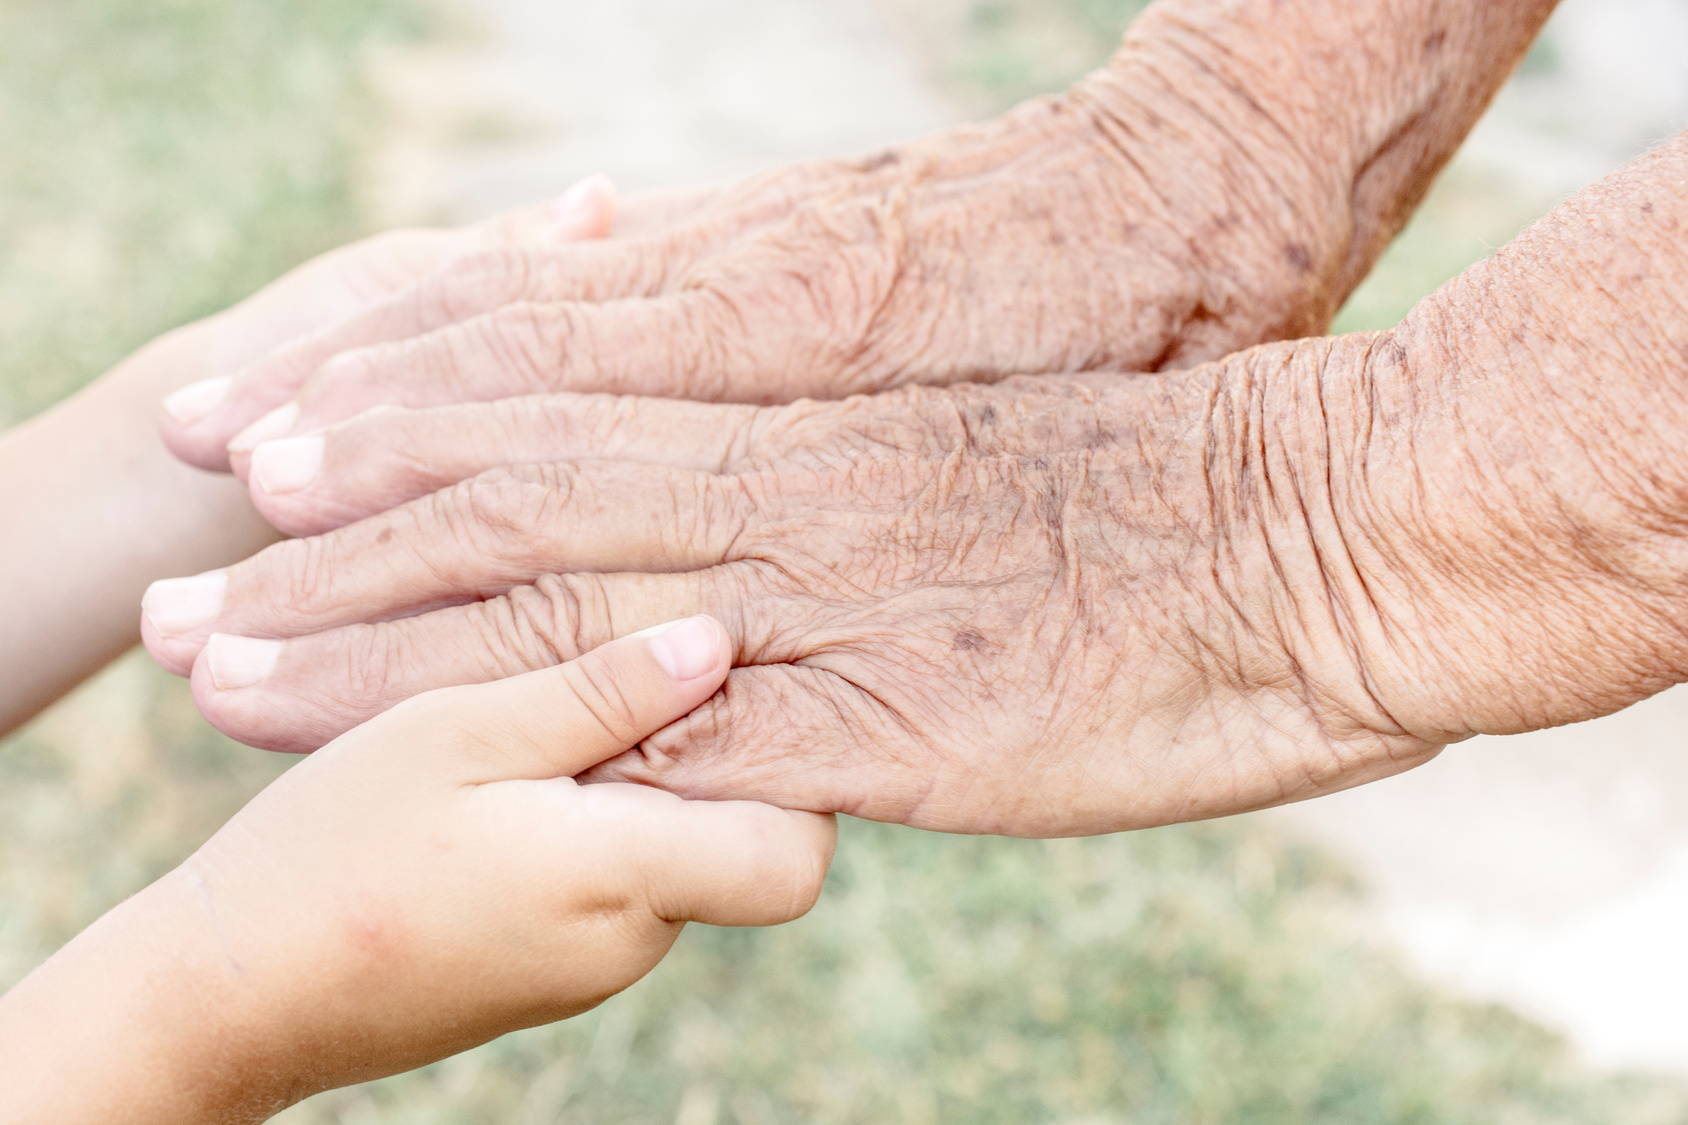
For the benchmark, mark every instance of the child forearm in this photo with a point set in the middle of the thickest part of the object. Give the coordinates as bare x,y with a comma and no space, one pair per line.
432,881
93,509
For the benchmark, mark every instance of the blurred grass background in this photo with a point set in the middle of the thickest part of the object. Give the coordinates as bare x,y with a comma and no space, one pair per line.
162,159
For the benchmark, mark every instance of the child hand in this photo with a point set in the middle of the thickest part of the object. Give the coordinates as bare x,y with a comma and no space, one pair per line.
300,315
429,881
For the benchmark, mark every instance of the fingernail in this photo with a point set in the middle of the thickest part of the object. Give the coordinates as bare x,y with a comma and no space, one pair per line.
288,465
687,649
576,201
277,423
181,605
193,404
580,205
239,662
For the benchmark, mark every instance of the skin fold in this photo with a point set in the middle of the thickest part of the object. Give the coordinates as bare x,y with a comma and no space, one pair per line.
1228,179
1053,605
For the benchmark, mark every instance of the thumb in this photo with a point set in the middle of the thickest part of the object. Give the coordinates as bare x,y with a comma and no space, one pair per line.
561,721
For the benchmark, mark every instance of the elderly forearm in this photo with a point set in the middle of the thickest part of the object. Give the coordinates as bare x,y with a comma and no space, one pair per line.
94,508
1332,120
1507,500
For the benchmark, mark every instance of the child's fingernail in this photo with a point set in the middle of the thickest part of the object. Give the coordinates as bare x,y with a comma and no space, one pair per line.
277,423
194,403
239,662
578,200
687,649
582,206
287,465
181,605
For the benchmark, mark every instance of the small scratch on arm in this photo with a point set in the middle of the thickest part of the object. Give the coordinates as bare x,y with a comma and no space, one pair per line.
203,891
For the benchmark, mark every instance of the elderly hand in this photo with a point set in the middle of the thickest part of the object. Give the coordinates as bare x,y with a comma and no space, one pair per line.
1057,605
1226,180
363,276
1036,608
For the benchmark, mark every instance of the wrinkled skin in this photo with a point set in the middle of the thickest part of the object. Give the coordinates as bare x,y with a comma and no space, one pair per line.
1057,605
1053,605
1140,221
1040,608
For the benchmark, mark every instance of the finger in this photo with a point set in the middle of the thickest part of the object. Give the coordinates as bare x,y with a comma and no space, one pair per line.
499,283
692,346
322,292
801,314
387,457
805,311
476,540
558,721
299,694
733,864
797,736
300,315
586,210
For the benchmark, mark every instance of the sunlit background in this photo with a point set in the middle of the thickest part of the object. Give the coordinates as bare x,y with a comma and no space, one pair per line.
1494,939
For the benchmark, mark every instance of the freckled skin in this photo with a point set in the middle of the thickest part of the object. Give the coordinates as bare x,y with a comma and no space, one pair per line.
1226,180
1062,605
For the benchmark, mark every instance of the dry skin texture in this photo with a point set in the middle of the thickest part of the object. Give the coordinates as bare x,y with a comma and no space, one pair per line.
1179,975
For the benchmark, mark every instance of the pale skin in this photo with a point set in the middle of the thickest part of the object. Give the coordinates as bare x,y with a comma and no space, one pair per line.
428,882
95,508
1064,605
423,885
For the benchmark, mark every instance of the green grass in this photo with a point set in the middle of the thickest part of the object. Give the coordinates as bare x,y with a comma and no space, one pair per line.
162,159
1206,975
993,53
165,158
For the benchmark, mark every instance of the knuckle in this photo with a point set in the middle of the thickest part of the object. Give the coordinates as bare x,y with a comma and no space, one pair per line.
476,282
523,341
497,514
572,613
352,367
540,626
711,509
717,334
510,636
371,660
303,573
